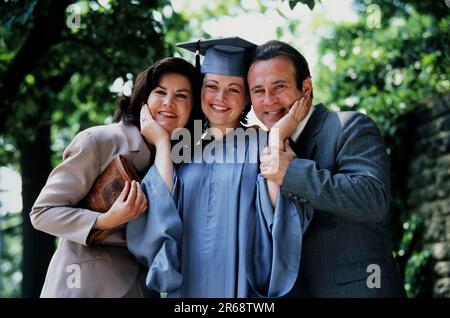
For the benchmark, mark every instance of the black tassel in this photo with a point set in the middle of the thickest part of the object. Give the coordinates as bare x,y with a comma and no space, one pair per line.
197,57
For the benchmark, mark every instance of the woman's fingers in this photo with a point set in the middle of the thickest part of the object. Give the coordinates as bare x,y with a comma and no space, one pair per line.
267,164
150,116
265,158
141,200
266,151
139,194
123,195
295,107
133,192
287,146
300,109
304,109
146,115
143,206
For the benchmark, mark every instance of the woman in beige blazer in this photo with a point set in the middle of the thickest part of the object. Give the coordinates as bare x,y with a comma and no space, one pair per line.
168,90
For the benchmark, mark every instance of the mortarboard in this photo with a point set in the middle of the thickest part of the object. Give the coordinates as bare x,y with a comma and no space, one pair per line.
226,56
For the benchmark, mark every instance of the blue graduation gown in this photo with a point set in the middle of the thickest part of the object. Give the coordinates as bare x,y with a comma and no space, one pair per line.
217,234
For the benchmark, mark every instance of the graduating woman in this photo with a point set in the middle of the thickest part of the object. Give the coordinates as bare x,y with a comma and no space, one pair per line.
214,227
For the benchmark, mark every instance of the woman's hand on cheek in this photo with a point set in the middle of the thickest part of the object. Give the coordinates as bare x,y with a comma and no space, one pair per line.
150,129
287,125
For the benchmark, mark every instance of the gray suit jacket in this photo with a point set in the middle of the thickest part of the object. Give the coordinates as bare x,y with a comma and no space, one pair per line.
342,171
107,270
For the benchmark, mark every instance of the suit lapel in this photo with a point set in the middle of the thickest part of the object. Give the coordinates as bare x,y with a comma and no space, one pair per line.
139,152
306,143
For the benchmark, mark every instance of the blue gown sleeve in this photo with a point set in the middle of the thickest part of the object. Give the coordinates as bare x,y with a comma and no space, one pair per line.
274,243
155,237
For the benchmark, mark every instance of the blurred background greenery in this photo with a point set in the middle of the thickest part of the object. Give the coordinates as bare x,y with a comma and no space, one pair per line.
63,64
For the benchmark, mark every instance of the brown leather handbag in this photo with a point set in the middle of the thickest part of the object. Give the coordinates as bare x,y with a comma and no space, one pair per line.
105,190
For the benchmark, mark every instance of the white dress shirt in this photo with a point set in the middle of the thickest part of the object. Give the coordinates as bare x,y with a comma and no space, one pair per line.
302,125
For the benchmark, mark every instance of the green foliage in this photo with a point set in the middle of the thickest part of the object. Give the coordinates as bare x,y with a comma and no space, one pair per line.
186,25
416,280
10,255
175,27
395,56
386,71
18,18
8,152
413,228
417,258
112,41
398,8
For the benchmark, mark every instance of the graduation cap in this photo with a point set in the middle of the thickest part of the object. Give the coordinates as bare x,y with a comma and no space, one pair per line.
226,56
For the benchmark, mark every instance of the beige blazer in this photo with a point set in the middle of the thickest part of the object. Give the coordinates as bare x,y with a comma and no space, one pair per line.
78,270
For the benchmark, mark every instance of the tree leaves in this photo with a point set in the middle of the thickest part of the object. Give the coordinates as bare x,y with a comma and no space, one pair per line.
386,71
18,13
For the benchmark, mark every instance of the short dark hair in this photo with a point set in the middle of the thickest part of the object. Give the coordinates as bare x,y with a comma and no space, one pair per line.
274,48
130,107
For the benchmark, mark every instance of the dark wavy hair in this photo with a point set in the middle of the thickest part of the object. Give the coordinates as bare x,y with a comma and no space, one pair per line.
248,106
130,107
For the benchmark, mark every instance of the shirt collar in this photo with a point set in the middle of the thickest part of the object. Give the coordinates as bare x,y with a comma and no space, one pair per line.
302,125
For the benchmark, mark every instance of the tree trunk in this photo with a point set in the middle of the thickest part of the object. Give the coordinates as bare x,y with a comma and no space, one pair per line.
38,247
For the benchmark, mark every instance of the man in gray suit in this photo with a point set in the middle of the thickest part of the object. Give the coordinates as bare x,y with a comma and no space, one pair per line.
339,168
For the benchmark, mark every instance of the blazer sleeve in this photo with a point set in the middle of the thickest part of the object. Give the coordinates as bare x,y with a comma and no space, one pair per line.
54,211
359,188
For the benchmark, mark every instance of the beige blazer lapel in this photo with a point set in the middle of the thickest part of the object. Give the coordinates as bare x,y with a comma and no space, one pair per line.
139,153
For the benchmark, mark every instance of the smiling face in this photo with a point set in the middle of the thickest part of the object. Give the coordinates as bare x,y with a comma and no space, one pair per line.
170,102
273,88
223,100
